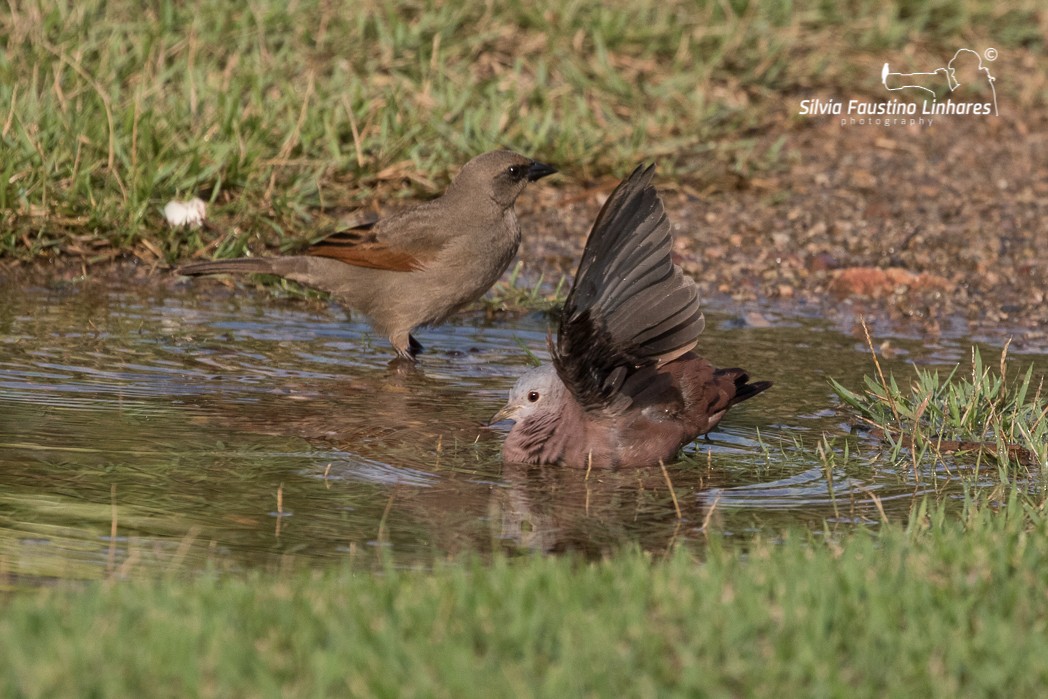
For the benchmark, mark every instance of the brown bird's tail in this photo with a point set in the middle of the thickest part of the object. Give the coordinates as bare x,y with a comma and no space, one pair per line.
240,265
744,390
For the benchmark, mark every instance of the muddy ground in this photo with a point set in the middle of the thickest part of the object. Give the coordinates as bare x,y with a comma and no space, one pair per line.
940,228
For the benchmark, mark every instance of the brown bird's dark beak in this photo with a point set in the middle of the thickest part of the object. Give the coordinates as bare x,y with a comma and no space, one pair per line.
537,170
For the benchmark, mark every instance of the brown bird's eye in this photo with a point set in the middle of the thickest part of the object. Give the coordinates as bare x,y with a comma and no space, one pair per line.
533,396
515,171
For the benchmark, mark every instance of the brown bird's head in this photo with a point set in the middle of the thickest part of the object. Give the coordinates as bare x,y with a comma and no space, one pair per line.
501,174
537,393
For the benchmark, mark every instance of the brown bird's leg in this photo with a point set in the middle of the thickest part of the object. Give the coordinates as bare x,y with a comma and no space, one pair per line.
414,345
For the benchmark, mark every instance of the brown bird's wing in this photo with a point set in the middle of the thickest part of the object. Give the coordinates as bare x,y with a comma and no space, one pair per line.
630,307
399,244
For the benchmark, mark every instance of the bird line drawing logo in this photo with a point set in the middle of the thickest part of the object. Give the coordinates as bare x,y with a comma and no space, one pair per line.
966,75
963,87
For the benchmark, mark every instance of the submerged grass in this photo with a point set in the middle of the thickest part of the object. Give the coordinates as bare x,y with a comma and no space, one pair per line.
977,411
279,114
515,294
938,607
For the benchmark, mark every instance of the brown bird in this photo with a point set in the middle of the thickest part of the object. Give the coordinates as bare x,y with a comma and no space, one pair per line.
624,388
421,264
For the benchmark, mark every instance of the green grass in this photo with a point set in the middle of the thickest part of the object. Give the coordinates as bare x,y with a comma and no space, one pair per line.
281,115
515,294
978,411
941,607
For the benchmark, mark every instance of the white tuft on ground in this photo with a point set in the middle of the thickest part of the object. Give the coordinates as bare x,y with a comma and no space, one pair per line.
185,213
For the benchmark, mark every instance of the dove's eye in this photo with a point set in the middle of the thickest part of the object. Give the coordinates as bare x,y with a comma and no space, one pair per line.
533,396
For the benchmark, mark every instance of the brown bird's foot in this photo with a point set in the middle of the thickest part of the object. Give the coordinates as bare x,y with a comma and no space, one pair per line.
405,345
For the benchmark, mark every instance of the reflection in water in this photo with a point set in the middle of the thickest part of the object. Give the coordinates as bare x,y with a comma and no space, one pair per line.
173,427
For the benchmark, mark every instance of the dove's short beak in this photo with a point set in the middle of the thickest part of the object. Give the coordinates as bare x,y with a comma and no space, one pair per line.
508,412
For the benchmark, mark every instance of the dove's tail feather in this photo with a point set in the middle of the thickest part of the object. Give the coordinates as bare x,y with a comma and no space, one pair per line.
745,390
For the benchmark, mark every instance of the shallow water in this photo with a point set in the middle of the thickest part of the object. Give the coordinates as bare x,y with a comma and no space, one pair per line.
169,428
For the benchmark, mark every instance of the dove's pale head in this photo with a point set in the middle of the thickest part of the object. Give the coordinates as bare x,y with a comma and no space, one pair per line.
537,392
